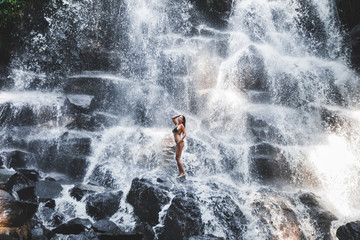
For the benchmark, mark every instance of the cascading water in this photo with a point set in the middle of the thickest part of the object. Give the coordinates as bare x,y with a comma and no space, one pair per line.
271,106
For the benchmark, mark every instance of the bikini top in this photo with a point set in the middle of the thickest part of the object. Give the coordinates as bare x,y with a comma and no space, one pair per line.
175,130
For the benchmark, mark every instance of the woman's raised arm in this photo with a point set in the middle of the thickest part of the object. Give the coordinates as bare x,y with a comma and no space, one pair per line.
174,118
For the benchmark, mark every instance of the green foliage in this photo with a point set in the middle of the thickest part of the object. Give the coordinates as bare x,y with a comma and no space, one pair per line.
11,12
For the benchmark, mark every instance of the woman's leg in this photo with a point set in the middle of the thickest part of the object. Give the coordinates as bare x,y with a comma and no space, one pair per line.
179,149
177,157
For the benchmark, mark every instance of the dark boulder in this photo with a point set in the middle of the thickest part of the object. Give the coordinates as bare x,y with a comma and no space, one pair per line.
17,159
27,194
23,184
106,229
17,182
349,231
106,226
46,190
31,174
147,199
268,164
103,205
79,191
74,226
319,216
18,212
183,218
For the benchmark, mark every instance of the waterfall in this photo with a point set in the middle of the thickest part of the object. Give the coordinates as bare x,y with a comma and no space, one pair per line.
272,108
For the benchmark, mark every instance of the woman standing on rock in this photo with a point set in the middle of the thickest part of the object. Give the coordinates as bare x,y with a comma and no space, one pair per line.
179,135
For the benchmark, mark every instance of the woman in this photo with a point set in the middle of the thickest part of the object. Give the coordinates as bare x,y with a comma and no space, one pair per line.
179,135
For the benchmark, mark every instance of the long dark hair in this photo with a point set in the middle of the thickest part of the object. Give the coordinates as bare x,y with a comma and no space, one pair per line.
184,121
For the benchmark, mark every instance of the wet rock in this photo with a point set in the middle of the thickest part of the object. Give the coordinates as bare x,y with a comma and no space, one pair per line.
123,236
147,200
251,71
23,184
50,204
93,122
46,190
78,103
230,216
263,131
320,217
349,231
17,159
105,120
258,96
66,154
107,92
287,91
27,194
268,164
106,226
17,182
79,191
16,116
348,12
5,175
38,230
31,174
287,225
75,145
146,230
206,237
183,218
102,177
7,237
17,212
103,205
355,45
74,226
217,11
312,27
81,121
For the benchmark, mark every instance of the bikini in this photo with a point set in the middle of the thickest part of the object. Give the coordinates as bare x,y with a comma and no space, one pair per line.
175,130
